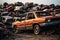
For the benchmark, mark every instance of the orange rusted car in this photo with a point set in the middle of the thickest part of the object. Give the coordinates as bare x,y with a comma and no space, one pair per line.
35,20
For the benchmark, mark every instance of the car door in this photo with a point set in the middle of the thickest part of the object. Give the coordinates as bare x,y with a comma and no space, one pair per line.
21,23
29,20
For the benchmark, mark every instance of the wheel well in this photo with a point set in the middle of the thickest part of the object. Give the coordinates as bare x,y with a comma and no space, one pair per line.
14,26
35,24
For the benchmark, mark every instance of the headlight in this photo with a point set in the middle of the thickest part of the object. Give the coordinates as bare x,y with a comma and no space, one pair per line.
48,20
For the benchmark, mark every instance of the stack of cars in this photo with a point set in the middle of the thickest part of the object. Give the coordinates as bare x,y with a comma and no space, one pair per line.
19,16
3,30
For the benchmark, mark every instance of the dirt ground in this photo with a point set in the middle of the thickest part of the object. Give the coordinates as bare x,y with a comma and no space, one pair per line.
30,36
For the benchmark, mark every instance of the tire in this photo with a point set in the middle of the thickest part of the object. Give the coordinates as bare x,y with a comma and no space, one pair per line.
36,29
15,29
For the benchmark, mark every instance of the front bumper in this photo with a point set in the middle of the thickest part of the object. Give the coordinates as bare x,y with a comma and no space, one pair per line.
50,23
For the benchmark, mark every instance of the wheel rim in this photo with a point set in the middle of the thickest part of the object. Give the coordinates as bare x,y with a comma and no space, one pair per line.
36,29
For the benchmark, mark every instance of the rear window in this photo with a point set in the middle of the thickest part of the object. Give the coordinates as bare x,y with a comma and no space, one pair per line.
40,14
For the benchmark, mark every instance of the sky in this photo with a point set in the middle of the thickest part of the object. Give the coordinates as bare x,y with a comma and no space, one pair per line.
47,2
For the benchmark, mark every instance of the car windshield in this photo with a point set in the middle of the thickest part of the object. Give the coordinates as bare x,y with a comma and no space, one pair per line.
40,14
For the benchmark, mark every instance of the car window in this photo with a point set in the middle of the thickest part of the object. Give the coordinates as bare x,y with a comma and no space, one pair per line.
30,16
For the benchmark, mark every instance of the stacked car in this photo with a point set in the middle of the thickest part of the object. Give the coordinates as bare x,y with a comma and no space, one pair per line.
3,30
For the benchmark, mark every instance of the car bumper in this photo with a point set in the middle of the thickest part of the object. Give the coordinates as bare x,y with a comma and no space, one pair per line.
50,23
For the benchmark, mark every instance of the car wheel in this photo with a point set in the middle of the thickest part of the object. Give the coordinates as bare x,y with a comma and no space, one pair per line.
36,29
15,29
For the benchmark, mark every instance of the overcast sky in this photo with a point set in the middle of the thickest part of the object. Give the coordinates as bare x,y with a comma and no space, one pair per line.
35,1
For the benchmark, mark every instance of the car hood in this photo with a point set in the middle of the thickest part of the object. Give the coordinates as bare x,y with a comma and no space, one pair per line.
51,17
15,22
7,17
